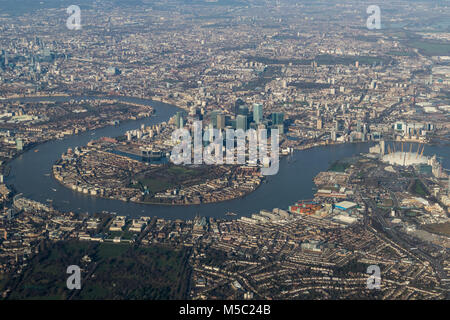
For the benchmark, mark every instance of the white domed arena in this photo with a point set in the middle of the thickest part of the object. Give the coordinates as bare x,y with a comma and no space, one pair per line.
405,158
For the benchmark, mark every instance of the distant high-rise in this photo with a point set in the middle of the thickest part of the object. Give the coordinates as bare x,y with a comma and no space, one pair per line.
358,126
179,121
257,112
243,110
333,135
337,125
220,121
112,71
213,117
241,122
237,104
277,118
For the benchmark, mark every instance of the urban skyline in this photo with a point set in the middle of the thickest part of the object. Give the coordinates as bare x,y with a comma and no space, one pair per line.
215,150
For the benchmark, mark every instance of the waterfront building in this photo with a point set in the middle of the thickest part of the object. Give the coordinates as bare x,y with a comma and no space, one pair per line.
319,124
333,135
19,144
241,122
243,110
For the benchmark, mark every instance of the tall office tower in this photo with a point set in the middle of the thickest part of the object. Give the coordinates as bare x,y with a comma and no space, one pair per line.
6,59
192,111
220,121
213,117
210,133
257,112
277,118
333,135
336,125
319,123
19,144
179,122
237,104
243,110
241,122
382,147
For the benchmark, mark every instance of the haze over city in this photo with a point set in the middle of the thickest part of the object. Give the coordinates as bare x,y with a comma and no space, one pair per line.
224,150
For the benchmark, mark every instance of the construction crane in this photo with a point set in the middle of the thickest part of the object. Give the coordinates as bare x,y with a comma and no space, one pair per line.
417,154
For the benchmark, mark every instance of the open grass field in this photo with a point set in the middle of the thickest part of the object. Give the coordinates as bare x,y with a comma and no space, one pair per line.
339,166
172,176
45,277
116,271
431,48
419,188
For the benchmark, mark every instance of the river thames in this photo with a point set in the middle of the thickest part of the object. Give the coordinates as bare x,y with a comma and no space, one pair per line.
31,173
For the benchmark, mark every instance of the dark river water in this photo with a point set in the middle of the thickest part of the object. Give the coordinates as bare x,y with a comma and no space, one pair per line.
30,174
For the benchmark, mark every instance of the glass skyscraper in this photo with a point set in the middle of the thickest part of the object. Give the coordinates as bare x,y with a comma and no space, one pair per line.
241,122
179,121
277,118
257,112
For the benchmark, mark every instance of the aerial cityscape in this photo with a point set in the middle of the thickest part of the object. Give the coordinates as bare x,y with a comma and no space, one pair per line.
225,150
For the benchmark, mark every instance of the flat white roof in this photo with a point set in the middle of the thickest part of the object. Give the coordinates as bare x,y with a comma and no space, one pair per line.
346,204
